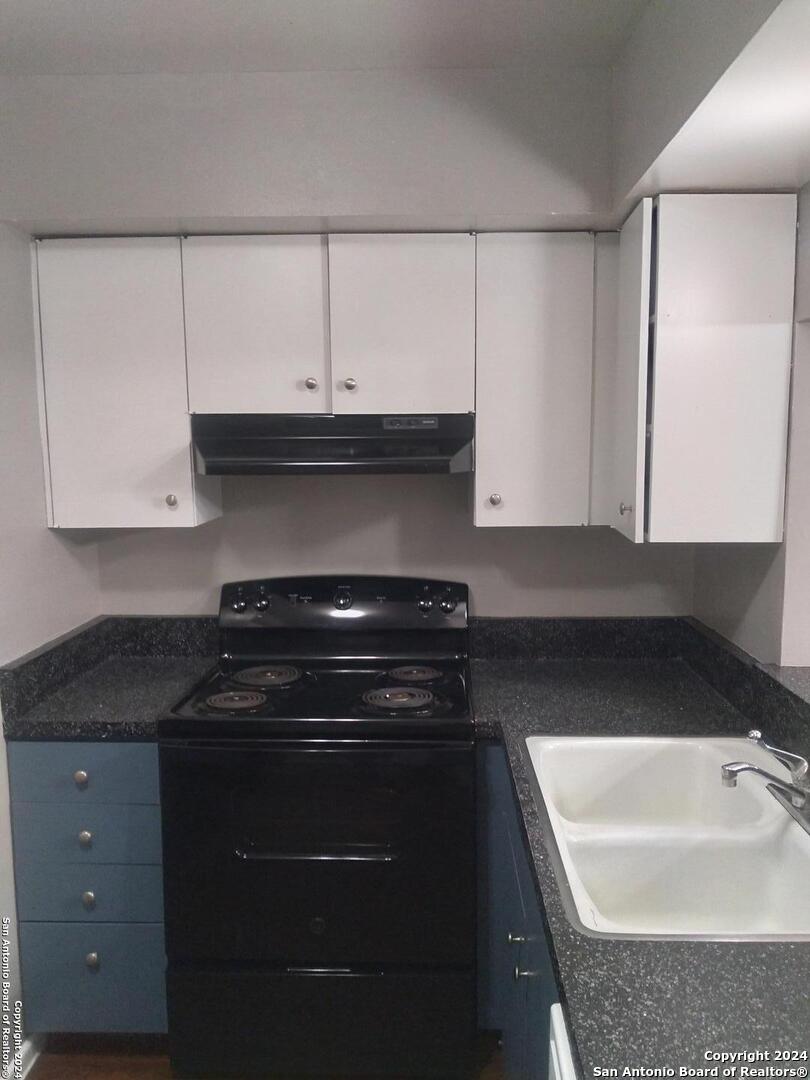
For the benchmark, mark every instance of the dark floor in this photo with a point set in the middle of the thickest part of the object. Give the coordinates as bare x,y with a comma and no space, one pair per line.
111,1058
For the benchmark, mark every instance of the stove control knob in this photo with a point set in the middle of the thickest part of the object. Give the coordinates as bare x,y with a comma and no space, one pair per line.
425,604
261,603
239,605
448,605
342,600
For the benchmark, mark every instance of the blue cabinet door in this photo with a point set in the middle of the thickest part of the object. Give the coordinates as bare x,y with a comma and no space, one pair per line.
83,772
516,980
91,893
68,833
82,977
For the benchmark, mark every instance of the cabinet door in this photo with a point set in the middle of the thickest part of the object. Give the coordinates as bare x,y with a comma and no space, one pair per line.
625,386
256,324
533,378
114,375
721,372
402,316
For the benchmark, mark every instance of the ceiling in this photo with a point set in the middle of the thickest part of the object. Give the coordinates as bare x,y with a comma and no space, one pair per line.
49,37
752,131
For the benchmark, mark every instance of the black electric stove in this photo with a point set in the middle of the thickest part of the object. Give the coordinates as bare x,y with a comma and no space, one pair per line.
318,804
355,655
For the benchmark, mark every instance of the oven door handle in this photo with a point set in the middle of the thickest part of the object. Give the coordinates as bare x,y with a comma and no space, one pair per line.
371,853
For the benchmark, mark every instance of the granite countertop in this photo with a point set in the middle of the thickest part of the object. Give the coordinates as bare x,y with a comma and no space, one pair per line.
641,1003
796,679
120,698
629,1003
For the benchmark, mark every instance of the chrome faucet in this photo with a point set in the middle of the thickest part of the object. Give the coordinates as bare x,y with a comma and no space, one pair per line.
797,791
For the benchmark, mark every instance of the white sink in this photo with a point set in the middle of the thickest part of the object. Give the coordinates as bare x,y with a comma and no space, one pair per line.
650,844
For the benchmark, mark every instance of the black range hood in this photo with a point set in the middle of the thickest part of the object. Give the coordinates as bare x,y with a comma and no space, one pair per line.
257,444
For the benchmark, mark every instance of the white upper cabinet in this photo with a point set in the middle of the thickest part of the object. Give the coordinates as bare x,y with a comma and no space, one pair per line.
256,324
402,316
114,386
721,363
533,378
711,389
623,385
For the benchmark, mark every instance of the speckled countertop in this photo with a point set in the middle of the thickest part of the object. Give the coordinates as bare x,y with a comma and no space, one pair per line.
641,1003
796,679
629,1003
120,698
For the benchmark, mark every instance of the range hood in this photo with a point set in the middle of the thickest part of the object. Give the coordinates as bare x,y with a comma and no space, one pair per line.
256,444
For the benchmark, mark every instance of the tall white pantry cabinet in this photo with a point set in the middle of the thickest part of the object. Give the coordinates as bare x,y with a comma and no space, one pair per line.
694,398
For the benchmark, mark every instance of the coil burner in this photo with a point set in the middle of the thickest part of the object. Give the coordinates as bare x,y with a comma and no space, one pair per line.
268,675
395,698
236,700
417,673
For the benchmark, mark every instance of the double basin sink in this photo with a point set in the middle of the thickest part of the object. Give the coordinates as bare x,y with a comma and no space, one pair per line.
648,843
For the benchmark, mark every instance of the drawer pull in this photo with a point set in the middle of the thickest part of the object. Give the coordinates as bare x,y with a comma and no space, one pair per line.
85,838
81,779
89,899
92,961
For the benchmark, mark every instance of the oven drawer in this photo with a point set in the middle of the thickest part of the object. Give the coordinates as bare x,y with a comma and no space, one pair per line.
53,892
83,772
320,854
93,978
95,833
327,1024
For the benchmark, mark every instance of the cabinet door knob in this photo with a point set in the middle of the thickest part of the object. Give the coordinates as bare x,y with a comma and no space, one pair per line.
171,500
311,383
514,939
92,961
85,838
80,778
350,384
525,974
625,509
89,899
495,499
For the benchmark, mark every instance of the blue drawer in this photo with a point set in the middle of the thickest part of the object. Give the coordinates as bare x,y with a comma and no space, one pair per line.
116,772
54,893
49,832
126,992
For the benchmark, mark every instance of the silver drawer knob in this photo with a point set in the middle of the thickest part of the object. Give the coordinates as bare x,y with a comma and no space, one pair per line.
92,961
89,900
350,384
171,500
310,383
495,500
525,974
80,778
85,838
514,939
625,509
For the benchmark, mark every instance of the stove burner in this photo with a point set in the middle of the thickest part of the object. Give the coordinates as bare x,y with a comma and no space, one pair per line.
236,700
416,674
268,675
398,697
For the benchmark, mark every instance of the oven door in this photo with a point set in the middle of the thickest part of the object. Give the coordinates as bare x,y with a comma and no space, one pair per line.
319,854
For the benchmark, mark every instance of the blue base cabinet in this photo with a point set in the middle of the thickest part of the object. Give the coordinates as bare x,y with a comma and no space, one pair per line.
87,857
516,981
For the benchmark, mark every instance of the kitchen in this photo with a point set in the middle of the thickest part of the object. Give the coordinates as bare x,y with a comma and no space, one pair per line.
451,215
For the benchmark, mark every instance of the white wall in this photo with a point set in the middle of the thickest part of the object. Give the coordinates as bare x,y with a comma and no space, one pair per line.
675,54
739,591
128,152
48,582
796,621
418,525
